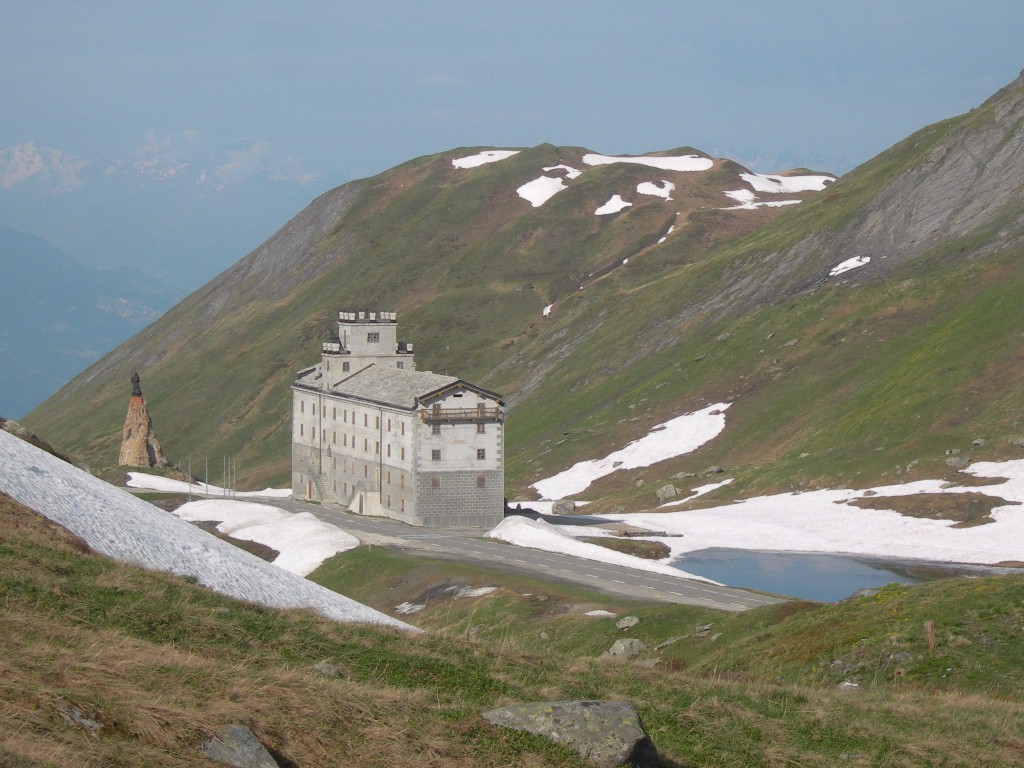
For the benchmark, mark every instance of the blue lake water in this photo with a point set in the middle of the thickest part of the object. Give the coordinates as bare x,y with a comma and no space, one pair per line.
822,577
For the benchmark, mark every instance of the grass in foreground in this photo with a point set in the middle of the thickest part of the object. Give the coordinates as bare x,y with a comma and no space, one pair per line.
162,663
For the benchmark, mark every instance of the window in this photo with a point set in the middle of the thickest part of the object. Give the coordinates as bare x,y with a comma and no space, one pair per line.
480,428
376,448
344,415
481,481
401,480
389,477
403,427
334,414
402,502
389,423
302,429
435,482
373,337
389,450
346,366
481,410
344,440
376,422
403,453
366,444
435,454
389,500
366,420
302,406
400,364
334,438
364,470
435,429
481,453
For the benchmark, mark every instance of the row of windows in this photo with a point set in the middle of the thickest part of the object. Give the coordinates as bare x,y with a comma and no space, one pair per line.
345,415
435,454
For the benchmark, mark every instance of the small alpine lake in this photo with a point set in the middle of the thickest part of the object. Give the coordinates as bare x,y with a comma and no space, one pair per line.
824,577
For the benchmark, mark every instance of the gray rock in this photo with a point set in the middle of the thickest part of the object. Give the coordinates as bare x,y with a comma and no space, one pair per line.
607,733
626,648
958,462
703,630
666,492
627,622
237,746
326,669
979,442
1016,440
75,716
670,641
713,470
563,507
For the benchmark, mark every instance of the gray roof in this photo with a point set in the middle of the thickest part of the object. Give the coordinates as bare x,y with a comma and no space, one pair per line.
391,386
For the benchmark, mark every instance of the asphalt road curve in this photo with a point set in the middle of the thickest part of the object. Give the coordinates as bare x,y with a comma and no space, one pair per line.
469,546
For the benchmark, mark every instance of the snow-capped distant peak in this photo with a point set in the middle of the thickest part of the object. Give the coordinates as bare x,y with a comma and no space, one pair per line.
481,158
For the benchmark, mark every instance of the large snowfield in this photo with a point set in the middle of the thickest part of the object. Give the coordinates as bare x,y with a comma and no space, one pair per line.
116,524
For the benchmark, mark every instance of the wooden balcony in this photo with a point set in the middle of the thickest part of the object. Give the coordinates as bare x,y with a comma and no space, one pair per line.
453,415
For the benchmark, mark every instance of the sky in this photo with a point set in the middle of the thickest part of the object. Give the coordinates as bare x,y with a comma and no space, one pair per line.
305,96
350,89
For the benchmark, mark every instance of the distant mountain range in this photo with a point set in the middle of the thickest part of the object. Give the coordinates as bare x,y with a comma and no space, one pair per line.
168,210
871,331
58,316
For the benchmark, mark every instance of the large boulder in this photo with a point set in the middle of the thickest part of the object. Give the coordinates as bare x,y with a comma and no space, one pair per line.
607,733
563,507
237,746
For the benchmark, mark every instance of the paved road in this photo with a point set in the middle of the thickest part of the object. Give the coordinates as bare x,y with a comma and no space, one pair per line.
468,545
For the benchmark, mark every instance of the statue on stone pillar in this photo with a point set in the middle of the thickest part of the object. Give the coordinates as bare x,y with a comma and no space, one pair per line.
136,385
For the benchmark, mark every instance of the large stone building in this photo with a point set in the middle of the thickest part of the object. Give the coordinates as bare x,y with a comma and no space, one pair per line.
373,434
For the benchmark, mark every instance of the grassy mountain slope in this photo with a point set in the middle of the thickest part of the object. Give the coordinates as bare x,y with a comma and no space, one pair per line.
844,378
162,664
466,261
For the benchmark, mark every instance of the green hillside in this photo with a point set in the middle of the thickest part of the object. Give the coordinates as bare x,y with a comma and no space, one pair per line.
835,379
157,664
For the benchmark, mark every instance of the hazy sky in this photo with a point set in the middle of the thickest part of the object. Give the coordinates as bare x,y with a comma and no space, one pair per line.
342,90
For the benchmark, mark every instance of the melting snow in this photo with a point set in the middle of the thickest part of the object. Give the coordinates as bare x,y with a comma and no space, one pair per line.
149,482
825,521
678,163
547,310
541,189
675,437
116,524
539,534
747,201
302,540
846,266
657,190
778,184
614,205
570,172
480,158
697,492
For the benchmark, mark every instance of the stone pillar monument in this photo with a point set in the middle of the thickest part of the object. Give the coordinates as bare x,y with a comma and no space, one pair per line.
139,446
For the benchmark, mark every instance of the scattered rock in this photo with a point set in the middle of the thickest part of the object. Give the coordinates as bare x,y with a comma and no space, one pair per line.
326,669
791,343
683,475
723,337
564,507
849,685
703,630
236,745
627,622
958,462
74,716
912,464
608,733
713,470
640,483
715,636
626,648
979,442
666,492
1016,440
667,643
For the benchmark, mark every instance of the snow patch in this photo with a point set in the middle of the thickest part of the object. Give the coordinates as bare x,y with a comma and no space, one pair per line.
541,189
119,525
662,190
481,158
538,534
570,172
675,437
601,614
697,493
149,482
614,205
786,184
846,266
302,540
546,312
678,163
